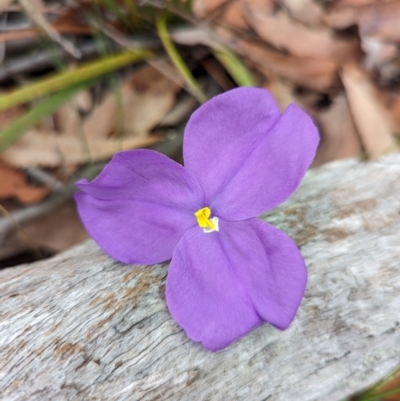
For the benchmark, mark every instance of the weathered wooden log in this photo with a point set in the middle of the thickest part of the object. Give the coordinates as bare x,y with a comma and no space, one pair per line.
80,326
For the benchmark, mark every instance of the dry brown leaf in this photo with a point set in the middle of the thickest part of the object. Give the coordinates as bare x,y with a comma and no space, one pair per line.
51,150
357,3
307,12
68,120
202,8
83,101
391,102
281,91
181,110
67,117
65,220
312,73
378,20
14,184
381,21
282,32
4,4
341,17
40,234
140,104
339,137
264,6
233,17
369,115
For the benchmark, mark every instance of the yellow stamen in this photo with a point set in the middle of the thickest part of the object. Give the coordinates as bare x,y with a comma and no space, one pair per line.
203,220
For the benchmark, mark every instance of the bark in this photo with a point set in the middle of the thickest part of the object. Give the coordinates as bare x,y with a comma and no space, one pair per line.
83,327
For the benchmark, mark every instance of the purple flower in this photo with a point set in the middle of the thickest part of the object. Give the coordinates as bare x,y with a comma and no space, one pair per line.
229,271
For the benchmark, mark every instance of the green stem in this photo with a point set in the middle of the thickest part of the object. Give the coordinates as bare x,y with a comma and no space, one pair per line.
71,77
239,72
176,58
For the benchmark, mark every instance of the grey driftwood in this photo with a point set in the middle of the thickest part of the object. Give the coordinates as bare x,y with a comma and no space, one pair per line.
83,327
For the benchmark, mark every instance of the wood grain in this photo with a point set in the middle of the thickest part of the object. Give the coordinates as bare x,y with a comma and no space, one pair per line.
83,327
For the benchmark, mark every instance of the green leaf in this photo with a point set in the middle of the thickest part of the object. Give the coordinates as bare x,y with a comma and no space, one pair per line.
239,72
69,78
18,127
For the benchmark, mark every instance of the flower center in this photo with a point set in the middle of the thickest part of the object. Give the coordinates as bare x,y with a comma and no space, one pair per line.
205,222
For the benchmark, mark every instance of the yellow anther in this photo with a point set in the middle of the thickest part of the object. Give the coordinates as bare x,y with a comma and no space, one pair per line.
203,220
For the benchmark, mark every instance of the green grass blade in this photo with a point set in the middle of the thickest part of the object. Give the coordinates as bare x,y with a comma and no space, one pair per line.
18,127
377,397
238,71
68,78
176,58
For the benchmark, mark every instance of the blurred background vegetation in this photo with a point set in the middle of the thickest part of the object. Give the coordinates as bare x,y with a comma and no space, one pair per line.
83,79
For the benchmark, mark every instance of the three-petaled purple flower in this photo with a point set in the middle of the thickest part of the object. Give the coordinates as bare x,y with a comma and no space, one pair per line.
229,271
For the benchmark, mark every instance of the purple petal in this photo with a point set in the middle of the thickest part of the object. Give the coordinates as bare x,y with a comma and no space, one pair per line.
271,268
245,155
223,284
203,293
222,133
139,207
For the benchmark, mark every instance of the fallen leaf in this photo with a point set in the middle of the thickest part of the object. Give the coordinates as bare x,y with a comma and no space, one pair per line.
379,20
391,102
339,137
369,115
282,32
52,150
65,221
139,104
307,12
181,110
341,17
39,234
233,17
14,184
68,120
4,4
312,73
356,3
203,8
281,91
